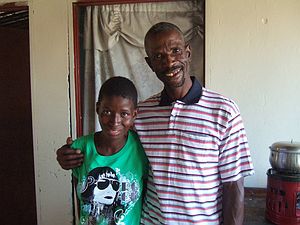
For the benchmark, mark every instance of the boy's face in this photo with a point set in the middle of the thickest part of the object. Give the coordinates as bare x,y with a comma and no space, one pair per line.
116,116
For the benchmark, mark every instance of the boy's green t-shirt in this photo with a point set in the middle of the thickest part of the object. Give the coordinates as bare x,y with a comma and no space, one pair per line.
110,188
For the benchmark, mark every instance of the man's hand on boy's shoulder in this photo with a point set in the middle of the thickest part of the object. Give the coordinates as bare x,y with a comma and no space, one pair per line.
67,157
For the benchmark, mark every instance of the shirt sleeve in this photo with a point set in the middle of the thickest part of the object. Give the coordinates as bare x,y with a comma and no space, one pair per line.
234,160
77,144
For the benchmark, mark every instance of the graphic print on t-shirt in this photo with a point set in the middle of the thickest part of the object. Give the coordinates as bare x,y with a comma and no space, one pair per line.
106,195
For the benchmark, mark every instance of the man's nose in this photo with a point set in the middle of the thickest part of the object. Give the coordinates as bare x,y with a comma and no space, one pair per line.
169,60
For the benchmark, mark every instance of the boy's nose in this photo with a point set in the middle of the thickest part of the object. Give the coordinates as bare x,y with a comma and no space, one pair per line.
116,118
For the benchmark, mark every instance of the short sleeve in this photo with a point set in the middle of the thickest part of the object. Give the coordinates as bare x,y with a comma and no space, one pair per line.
78,144
234,160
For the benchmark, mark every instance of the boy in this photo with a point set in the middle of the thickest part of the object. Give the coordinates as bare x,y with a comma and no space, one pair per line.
109,183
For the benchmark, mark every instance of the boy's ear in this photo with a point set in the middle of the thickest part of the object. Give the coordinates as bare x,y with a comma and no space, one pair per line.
134,114
97,107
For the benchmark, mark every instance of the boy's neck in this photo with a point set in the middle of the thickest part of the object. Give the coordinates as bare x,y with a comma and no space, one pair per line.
106,146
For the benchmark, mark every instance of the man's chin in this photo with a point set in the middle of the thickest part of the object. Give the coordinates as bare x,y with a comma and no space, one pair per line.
176,83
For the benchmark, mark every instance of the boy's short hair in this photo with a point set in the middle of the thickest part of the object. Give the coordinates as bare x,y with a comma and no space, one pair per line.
118,86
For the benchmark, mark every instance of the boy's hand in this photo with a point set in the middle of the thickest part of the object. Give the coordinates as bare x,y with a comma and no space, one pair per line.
67,157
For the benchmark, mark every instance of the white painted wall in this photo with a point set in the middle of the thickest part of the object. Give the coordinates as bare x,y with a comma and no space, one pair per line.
252,56
50,103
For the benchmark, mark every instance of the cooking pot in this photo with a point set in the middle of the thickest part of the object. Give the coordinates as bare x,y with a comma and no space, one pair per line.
285,156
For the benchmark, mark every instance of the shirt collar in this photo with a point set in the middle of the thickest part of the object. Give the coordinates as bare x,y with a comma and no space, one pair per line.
193,96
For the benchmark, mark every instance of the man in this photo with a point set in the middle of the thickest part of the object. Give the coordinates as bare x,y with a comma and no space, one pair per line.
194,139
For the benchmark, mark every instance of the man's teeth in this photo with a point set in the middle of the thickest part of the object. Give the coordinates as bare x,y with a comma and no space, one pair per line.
172,73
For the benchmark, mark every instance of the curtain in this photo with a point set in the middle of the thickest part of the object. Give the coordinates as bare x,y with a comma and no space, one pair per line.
113,38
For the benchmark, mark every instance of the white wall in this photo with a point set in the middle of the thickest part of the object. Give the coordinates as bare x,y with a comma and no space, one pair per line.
253,56
50,102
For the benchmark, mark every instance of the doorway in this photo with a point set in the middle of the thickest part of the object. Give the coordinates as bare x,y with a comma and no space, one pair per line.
18,202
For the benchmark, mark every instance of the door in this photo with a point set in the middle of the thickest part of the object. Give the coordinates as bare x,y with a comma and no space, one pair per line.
16,162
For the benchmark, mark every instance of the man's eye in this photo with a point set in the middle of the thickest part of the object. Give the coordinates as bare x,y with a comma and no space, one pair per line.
176,50
157,57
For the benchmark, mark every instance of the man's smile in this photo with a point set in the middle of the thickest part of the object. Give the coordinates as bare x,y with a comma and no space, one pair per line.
173,73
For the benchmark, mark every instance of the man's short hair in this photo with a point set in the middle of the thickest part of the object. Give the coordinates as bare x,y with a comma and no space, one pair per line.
118,86
158,28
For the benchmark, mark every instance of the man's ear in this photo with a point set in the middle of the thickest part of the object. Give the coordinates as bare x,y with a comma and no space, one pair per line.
188,51
148,61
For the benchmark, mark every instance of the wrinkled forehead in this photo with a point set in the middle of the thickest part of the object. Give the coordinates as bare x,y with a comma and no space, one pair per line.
155,41
164,34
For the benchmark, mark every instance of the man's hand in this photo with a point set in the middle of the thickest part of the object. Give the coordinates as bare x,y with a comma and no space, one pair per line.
69,158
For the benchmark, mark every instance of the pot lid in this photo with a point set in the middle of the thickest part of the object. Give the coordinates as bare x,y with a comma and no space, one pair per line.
286,146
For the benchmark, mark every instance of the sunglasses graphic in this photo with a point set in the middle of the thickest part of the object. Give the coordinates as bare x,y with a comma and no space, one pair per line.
104,183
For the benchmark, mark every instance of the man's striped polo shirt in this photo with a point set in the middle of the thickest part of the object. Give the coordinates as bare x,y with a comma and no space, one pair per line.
193,146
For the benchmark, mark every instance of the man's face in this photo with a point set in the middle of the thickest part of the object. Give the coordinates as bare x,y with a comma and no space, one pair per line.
169,57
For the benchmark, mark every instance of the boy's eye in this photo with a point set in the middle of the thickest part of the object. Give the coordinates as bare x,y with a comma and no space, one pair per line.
106,112
124,114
